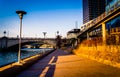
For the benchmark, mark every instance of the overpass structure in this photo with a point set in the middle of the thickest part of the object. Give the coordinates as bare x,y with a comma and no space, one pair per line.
6,42
106,26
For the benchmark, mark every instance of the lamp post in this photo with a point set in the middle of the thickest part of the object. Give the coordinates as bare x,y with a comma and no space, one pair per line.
20,13
4,33
57,33
44,33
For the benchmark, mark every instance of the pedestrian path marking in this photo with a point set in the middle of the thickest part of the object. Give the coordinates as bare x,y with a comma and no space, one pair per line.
47,68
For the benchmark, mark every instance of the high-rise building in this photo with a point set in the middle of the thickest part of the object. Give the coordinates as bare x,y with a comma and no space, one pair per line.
110,4
92,9
108,1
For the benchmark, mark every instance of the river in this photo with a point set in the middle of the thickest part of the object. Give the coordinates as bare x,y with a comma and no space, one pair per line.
11,56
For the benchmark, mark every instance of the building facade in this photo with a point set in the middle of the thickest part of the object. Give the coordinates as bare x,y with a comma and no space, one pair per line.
104,28
72,33
92,9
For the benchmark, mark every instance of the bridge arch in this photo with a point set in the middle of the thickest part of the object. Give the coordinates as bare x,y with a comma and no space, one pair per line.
6,42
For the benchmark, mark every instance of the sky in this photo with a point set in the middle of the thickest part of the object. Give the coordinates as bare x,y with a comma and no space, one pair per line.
42,16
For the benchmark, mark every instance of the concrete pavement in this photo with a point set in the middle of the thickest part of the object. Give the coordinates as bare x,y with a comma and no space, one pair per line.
63,64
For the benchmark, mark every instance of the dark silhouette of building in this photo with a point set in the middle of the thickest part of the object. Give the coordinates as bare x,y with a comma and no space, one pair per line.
92,9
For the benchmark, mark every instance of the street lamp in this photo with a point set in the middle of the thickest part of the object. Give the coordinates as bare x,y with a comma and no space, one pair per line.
57,32
44,33
20,13
4,33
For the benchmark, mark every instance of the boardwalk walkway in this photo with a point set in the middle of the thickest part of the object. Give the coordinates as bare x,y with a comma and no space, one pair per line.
62,64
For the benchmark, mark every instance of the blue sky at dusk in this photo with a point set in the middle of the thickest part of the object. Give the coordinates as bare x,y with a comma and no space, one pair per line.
42,16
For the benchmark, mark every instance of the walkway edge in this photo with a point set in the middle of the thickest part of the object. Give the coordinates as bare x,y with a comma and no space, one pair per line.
13,69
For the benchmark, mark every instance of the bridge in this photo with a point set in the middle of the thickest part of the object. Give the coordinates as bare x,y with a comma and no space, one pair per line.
6,42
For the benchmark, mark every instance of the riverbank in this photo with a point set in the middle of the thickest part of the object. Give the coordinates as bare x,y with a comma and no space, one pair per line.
14,68
7,57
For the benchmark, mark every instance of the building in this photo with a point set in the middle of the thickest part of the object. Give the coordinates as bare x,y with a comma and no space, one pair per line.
92,9
110,4
72,39
104,28
108,1
72,33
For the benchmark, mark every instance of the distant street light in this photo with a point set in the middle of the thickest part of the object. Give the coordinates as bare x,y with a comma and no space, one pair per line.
57,32
44,33
20,13
4,33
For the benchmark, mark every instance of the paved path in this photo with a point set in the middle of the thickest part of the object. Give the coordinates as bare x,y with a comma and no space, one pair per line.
63,64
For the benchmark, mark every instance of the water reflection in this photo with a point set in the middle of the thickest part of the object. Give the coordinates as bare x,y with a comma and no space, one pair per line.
11,56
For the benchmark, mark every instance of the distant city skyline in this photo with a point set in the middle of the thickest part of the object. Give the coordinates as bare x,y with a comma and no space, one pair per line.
42,16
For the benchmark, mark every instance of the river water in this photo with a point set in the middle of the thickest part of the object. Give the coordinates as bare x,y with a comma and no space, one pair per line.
10,56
